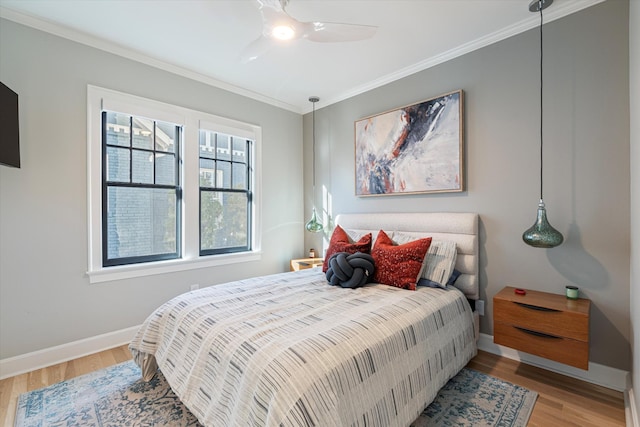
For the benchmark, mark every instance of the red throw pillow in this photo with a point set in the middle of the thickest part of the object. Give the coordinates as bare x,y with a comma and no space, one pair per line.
399,265
340,242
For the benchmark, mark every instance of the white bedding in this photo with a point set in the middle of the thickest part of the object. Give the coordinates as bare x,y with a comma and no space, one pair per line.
290,350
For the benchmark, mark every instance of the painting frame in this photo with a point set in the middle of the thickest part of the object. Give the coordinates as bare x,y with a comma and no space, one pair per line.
414,149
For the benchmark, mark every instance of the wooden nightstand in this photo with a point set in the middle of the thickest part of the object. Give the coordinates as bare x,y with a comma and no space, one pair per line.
547,325
304,263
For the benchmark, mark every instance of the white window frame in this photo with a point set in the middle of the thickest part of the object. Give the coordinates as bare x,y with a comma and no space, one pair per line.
99,99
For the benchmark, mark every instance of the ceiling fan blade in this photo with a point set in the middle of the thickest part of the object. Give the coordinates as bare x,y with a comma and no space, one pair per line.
255,49
273,4
331,32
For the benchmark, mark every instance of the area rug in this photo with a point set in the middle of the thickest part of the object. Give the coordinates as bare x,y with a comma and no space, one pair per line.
116,397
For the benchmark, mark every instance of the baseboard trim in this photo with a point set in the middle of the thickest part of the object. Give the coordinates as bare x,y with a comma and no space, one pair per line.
605,376
28,362
630,409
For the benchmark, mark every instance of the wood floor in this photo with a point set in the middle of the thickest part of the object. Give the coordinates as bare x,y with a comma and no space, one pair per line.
562,401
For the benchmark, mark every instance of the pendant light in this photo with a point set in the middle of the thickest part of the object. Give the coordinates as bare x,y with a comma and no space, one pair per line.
314,225
541,234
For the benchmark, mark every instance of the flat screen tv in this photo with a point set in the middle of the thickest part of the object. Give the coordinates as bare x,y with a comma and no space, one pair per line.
9,132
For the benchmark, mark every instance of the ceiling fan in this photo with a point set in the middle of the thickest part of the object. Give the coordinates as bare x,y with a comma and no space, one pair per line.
278,26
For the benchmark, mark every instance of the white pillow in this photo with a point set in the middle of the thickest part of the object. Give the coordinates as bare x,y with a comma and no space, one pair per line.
440,260
356,235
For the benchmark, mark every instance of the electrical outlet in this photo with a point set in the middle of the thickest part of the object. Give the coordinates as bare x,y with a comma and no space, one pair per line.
195,286
480,307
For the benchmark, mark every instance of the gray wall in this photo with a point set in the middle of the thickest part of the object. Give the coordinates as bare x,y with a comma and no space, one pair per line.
634,91
586,173
45,296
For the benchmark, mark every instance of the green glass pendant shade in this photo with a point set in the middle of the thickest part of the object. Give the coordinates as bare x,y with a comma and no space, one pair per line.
542,234
314,225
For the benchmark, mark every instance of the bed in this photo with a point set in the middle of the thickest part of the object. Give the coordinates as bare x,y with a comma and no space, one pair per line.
288,349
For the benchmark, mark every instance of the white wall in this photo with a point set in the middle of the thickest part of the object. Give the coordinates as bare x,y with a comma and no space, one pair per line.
45,297
634,113
586,162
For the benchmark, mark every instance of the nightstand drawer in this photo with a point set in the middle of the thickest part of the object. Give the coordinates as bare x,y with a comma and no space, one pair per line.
543,319
560,349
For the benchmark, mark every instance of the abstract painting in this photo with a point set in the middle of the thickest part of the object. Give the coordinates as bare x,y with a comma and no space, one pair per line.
413,149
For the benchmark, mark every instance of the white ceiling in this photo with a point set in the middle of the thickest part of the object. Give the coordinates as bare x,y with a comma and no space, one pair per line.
202,39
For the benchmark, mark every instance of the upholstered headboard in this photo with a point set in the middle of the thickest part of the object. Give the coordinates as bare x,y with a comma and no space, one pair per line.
461,228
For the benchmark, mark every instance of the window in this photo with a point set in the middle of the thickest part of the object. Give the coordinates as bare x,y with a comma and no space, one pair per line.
170,188
141,189
225,193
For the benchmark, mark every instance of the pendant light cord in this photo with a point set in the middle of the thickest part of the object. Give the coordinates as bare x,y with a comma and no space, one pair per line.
313,138
314,225
541,114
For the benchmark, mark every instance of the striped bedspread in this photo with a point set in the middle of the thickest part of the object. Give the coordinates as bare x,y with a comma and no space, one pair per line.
290,350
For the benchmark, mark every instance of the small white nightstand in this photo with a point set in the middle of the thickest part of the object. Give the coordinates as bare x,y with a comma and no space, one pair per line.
304,263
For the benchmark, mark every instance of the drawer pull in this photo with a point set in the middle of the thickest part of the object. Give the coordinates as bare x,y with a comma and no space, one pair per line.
535,307
536,333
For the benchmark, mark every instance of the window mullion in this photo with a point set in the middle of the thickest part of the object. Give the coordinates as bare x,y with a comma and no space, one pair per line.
153,153
130,148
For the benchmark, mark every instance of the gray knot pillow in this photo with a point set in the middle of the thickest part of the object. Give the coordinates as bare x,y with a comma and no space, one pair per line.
350,270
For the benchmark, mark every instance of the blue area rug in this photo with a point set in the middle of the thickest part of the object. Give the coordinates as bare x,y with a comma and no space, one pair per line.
117,396
472,398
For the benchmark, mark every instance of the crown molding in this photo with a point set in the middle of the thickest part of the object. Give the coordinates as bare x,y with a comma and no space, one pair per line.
557,12
98,43
560,10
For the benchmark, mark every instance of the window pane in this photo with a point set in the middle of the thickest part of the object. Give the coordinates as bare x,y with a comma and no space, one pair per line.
223,144
140,222
142,133
223,173
239,150
118,164
165,169
207,173
223,220
207,144
142,172
210,218
118,127
239,176
165,137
